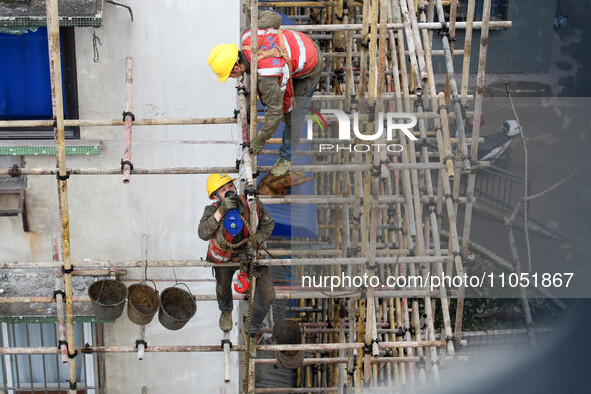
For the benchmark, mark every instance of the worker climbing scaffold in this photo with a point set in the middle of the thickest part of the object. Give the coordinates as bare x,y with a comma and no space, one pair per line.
226,225
289,67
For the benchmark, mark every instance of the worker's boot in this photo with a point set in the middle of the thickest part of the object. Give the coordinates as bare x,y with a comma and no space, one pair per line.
280,167
226,321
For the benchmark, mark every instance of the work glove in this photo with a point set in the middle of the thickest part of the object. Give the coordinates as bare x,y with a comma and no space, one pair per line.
257,145
251,250
256,240
227,204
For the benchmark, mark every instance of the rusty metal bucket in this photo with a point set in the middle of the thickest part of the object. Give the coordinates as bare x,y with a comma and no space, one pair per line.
108,298
142,303
177,307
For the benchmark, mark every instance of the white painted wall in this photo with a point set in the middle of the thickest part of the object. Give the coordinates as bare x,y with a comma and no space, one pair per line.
169,42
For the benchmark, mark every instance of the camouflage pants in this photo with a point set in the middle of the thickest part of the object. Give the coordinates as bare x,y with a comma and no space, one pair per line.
263,297
304,88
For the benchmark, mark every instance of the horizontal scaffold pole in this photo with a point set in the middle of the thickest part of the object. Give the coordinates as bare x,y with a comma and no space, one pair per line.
116,122
228,170
281,293
203,263
314,347
344,360
395,26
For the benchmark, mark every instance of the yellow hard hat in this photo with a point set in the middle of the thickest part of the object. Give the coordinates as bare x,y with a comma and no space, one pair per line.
222,59
215,181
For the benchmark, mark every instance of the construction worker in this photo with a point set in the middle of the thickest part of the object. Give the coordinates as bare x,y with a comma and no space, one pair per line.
228,241
289,67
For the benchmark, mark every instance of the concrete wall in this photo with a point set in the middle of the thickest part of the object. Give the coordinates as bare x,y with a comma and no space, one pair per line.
169,42
524,48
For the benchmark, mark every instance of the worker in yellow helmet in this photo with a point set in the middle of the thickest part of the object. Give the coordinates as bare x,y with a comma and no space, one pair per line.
226,225
289,67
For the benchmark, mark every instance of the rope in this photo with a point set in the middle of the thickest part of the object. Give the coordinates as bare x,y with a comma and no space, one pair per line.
250,345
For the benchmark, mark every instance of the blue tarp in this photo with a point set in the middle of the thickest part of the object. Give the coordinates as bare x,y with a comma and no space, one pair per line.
295,220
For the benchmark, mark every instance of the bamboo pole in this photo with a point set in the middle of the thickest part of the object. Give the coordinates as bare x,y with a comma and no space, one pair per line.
414,66
370,203
399,68
529,324
392,26
467,49
416,39
291,4
55,69
448,159
436,205
343,360
434,228
452,37
249,167
298,390
416,205
454,92
474,147
128,118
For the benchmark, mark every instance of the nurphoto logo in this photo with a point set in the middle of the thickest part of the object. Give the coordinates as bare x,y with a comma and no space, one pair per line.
394,121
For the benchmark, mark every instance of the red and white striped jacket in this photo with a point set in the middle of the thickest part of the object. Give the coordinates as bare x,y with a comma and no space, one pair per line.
282,53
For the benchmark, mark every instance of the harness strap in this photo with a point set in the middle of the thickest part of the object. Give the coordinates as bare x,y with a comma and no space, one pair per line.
280,51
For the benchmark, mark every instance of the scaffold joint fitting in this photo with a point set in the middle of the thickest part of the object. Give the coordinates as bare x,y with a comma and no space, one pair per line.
126,162
139,342
62,177
224,341
56,292
128,113
14,171
69,270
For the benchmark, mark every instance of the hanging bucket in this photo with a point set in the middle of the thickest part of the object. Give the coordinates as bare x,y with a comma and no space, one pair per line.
108,298
143,303
177,307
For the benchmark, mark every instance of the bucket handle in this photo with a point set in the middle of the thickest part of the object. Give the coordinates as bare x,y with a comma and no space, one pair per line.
189,290
107,277
144,281
184,284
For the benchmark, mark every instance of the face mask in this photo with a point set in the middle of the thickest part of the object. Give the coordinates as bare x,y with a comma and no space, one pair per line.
229,193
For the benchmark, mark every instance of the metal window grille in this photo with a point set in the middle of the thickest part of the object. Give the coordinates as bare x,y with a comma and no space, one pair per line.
45,373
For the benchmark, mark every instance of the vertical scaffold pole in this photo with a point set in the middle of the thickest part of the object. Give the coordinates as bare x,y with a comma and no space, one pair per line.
128,119
57,104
